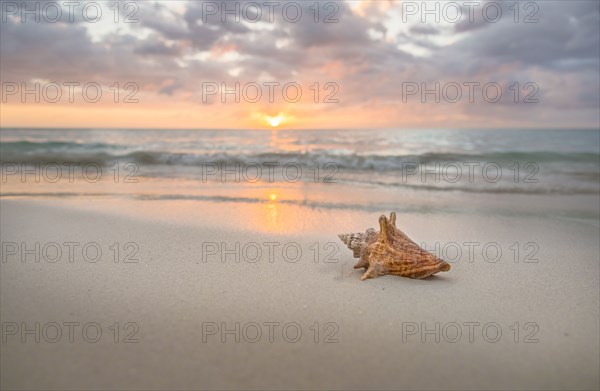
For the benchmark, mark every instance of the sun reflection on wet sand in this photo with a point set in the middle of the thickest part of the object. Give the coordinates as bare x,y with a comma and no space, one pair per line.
271,221
276,208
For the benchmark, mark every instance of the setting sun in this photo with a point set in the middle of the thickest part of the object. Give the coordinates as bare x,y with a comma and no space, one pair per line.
275,121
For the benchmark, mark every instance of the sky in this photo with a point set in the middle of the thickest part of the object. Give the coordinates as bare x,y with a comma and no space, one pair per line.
300,65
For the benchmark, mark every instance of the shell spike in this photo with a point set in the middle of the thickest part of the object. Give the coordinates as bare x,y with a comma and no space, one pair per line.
361,263
370,273
383,225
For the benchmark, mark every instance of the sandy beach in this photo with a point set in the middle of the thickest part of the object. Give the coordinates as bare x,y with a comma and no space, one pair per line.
192,316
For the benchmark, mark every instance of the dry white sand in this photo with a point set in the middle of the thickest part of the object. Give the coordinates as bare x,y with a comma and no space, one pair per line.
170,293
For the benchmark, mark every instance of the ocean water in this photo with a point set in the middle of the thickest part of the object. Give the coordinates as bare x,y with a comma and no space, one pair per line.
481,161
515,173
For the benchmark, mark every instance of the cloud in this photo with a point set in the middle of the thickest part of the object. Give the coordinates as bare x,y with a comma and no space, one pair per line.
175,47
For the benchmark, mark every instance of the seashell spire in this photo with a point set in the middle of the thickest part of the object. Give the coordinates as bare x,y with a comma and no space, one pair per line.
391,251
359,244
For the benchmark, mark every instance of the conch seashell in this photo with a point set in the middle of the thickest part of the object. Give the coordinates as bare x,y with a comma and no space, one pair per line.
390,251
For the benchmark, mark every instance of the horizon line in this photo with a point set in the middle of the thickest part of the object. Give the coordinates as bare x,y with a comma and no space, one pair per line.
294,129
